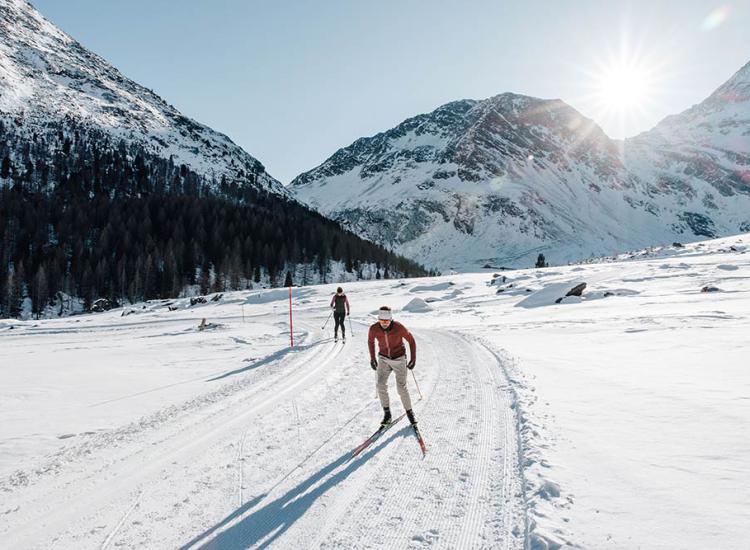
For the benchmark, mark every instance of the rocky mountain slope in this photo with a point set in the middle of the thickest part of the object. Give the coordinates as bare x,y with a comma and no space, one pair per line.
501,180
48,79
702,157
107,192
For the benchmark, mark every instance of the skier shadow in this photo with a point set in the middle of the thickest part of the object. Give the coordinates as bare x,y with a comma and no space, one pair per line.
268,359
276,517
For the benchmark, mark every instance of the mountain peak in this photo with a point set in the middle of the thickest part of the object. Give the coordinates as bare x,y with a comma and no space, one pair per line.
719,122
48,77
736,89
500,180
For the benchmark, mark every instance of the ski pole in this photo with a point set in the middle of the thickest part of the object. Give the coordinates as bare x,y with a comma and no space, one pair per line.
351,330
415,381
329,318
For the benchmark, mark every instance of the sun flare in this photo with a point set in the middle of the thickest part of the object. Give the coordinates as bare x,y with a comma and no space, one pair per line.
623,87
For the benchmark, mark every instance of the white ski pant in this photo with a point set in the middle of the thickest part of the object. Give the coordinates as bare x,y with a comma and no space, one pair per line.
398,366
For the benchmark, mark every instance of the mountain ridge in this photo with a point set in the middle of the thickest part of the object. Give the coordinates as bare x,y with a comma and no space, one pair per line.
545,179
46,75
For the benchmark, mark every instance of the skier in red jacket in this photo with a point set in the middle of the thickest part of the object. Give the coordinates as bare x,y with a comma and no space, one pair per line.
390,335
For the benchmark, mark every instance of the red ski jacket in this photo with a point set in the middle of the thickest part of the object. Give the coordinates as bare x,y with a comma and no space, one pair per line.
391,341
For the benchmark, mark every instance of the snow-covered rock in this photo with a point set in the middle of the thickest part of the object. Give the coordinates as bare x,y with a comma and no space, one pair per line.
417,305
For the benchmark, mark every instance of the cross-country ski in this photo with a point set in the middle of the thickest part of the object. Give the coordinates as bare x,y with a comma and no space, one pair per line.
374,437
418,435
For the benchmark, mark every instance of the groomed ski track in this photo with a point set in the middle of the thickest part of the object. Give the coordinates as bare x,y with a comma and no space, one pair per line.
262,460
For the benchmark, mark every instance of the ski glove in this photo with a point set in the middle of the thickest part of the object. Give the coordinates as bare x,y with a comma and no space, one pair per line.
410,365
373,364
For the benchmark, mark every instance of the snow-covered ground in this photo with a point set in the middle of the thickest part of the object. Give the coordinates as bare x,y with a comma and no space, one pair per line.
619,419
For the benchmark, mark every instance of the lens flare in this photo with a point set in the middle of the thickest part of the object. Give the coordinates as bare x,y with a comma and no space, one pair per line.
624,85
714,19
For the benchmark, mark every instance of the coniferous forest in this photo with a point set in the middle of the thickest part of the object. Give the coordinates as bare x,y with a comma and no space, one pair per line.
85,217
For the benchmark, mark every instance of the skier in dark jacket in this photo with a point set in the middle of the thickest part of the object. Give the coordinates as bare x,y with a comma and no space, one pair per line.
390,336
340,306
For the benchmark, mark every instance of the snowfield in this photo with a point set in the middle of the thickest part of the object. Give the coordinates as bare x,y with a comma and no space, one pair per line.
615,419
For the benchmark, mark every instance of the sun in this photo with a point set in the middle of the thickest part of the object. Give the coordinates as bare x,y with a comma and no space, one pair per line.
623,88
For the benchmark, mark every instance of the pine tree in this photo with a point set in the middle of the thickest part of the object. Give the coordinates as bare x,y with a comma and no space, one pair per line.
5,168
100,218
12,296
288,280
205,278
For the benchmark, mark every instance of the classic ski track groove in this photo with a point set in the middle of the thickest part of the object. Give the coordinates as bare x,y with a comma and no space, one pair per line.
341,511
407,451
389,497
124,518
52,510
248,537
511,477
479,400
517,484
394,487
241,468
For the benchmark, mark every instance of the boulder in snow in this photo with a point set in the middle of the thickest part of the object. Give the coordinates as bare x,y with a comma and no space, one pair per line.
432,288
552,293
710,288
577,290
417,305
100,305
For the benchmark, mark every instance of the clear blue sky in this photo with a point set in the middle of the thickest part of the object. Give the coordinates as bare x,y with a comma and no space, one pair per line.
291,81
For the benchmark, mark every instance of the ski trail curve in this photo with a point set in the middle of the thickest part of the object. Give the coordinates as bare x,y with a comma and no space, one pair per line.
103,493
463,494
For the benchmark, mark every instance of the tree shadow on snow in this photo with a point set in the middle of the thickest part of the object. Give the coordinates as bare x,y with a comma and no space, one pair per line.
272,520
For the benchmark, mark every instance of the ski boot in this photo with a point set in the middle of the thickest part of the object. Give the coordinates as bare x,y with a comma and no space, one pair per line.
410,416
386,417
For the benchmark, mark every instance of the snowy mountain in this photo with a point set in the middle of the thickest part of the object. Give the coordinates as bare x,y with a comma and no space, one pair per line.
49,79
107,192
499,181
702,158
